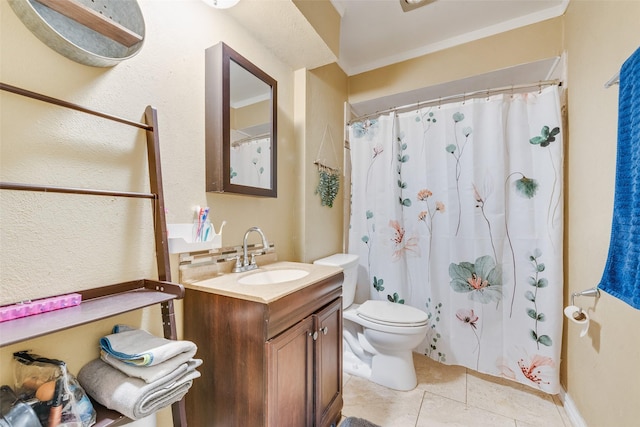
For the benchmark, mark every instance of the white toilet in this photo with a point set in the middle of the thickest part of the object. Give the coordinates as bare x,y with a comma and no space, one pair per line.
378,336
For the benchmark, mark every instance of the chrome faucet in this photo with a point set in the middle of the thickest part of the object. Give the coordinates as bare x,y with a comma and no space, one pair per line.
246,263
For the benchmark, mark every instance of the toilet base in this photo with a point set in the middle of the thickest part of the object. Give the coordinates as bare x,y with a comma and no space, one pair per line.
352,365
394,371
387,367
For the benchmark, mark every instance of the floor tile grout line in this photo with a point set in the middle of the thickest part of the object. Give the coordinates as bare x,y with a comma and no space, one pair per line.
467,384
420,408
425,392
503,415
466,404
558,404
496,413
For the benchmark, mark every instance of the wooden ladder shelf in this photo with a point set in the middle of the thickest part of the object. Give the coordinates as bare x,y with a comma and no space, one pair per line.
111,300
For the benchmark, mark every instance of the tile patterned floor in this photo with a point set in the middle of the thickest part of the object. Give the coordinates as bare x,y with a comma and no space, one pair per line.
452,396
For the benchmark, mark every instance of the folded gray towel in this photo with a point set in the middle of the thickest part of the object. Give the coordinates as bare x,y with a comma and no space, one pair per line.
357,422
140,348
132,396
149,373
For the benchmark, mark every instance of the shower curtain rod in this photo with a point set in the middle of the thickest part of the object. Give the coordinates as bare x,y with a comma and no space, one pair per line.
463,96
250,139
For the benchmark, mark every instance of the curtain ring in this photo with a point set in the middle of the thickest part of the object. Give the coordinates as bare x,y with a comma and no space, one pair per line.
487,94
539,87
511,91
464,98
439,102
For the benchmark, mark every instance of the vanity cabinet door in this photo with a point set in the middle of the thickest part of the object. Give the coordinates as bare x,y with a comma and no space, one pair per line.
261,365
328,355
290,376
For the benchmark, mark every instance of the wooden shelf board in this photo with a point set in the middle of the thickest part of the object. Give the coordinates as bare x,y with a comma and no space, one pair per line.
94,20
106,417
25,328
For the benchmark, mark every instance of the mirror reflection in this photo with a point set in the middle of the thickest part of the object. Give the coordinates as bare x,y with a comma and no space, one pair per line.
250,103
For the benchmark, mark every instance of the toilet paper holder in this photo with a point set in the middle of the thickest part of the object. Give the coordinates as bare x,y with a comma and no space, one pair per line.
592,292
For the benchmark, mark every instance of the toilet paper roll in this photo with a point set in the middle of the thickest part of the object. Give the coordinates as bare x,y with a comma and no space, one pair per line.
576,315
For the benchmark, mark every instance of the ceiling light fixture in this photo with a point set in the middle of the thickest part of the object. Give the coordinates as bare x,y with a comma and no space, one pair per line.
408,5
221,4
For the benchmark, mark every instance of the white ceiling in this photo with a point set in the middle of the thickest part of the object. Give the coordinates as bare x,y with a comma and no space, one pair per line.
376,33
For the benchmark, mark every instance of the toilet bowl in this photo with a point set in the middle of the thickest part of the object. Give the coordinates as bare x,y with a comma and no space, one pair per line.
378,336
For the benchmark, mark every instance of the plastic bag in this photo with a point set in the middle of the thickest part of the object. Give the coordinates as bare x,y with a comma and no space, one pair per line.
59,398
14,412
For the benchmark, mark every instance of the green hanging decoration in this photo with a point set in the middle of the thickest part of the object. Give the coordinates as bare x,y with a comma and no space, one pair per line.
328,185
329,178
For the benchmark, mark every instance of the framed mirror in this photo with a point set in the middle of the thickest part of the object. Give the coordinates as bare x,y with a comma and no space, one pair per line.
240,125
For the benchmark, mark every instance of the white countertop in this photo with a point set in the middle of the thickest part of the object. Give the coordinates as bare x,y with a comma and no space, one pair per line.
227,284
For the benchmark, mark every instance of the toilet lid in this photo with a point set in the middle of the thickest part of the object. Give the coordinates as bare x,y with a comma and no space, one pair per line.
389,313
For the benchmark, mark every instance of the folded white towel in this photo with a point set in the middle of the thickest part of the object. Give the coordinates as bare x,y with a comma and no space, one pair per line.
133,397
140,348
150,373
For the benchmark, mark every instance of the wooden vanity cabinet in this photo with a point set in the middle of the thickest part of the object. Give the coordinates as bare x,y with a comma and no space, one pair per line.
275,364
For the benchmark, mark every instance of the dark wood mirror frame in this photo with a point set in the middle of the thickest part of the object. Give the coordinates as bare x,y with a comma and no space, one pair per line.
218,121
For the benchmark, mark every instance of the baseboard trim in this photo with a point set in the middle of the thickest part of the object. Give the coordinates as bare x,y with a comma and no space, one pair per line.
571,409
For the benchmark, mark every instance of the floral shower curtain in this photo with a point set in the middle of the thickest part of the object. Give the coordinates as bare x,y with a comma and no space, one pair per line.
251,163
457,210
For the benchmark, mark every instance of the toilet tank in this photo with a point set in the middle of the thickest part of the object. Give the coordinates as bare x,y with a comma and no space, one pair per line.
349,263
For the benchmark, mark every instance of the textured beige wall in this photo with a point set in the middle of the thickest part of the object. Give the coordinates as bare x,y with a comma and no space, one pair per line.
40,235
59,243
326,89
600,372
531,43
325,20
49,145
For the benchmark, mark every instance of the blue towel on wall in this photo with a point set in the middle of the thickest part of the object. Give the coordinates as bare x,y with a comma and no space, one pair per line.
621,277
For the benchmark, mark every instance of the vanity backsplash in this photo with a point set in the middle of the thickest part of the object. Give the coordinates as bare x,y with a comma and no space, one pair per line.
196,266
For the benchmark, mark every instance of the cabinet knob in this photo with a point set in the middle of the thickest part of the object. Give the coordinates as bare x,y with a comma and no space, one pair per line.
324,330
314,335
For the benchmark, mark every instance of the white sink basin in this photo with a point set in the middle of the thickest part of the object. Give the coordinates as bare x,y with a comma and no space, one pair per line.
270,277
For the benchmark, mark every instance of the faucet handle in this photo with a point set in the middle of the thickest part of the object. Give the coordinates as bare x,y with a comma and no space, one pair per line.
253,259
238,267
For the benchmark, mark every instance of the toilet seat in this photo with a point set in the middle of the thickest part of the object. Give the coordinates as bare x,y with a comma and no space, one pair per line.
392,314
